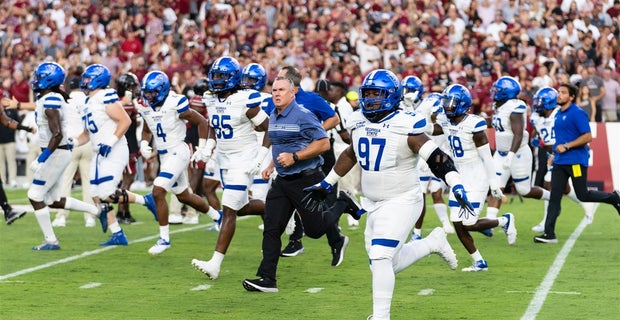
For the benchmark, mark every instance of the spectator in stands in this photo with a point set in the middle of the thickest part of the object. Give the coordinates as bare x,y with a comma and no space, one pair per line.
609,102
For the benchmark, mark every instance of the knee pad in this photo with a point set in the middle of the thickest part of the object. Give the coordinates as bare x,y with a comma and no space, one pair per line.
116,196
523,187
378,252
34,195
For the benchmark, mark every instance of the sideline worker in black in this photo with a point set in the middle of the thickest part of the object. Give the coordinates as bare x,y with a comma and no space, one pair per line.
297,139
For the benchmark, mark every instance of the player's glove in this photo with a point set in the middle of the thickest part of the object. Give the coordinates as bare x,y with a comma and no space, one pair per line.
255,168
461,197
508,161
106,148
314,200
535,142
496,191
37,163
145,150
204,150
210,166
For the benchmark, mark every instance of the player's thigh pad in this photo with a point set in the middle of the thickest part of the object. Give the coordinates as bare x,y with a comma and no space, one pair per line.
173,166
388,225
46,182
107,172
235,183
476,198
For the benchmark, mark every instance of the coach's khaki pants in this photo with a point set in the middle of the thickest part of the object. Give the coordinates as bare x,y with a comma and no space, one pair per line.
7,160
80,159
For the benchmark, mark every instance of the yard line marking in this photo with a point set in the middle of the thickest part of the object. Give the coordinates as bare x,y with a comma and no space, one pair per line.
201,287
426,292
91,285
545,287
554,292
314,290
93,252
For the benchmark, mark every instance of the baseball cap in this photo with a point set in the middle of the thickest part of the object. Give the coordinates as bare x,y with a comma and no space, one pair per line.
322,85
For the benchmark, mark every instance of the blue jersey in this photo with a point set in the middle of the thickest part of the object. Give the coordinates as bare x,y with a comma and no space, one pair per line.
311,101
293,130
569,125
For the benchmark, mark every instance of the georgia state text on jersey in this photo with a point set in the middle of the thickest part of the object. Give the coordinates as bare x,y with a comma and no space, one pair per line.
544,126
503,128
236,140
388,165
164,122
50,100
460,137
96,121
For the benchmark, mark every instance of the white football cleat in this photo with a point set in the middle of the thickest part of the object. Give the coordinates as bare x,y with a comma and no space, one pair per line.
207,267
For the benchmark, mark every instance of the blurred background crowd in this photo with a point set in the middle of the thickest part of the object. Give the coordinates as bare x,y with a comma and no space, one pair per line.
472,42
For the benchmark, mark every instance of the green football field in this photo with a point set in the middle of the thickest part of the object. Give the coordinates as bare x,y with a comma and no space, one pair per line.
579,278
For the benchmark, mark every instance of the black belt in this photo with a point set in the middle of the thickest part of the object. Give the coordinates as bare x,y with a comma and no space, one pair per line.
65,147
302,174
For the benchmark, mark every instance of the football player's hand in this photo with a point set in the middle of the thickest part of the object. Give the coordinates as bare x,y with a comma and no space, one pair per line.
201,154
508,161
314,200
497,193
145,150
210,166
461,197
104,149
38,162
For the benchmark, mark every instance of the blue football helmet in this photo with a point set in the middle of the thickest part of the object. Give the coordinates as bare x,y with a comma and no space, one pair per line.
455,100
95,76
546,98
413,84
155,88
380,94
253,76
225,74
47,75
505,88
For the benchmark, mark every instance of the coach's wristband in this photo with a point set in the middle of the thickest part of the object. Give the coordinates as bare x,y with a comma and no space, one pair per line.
295,158
566,146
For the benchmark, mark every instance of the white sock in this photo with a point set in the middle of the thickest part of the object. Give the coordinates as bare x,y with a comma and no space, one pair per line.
545,206
501,221
140,199
411,252
492,212
45,223
115,227
442,212
217,257
78,205
383,280
417,231
546,194
213,214
476,256
164,232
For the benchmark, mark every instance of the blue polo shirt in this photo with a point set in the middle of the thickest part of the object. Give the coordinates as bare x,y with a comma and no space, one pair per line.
311,101
293,130
569,125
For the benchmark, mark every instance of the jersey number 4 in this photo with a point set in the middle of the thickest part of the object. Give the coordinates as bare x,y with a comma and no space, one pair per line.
370,151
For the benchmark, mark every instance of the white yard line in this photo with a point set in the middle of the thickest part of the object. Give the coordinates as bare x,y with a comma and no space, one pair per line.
100,250
544,288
